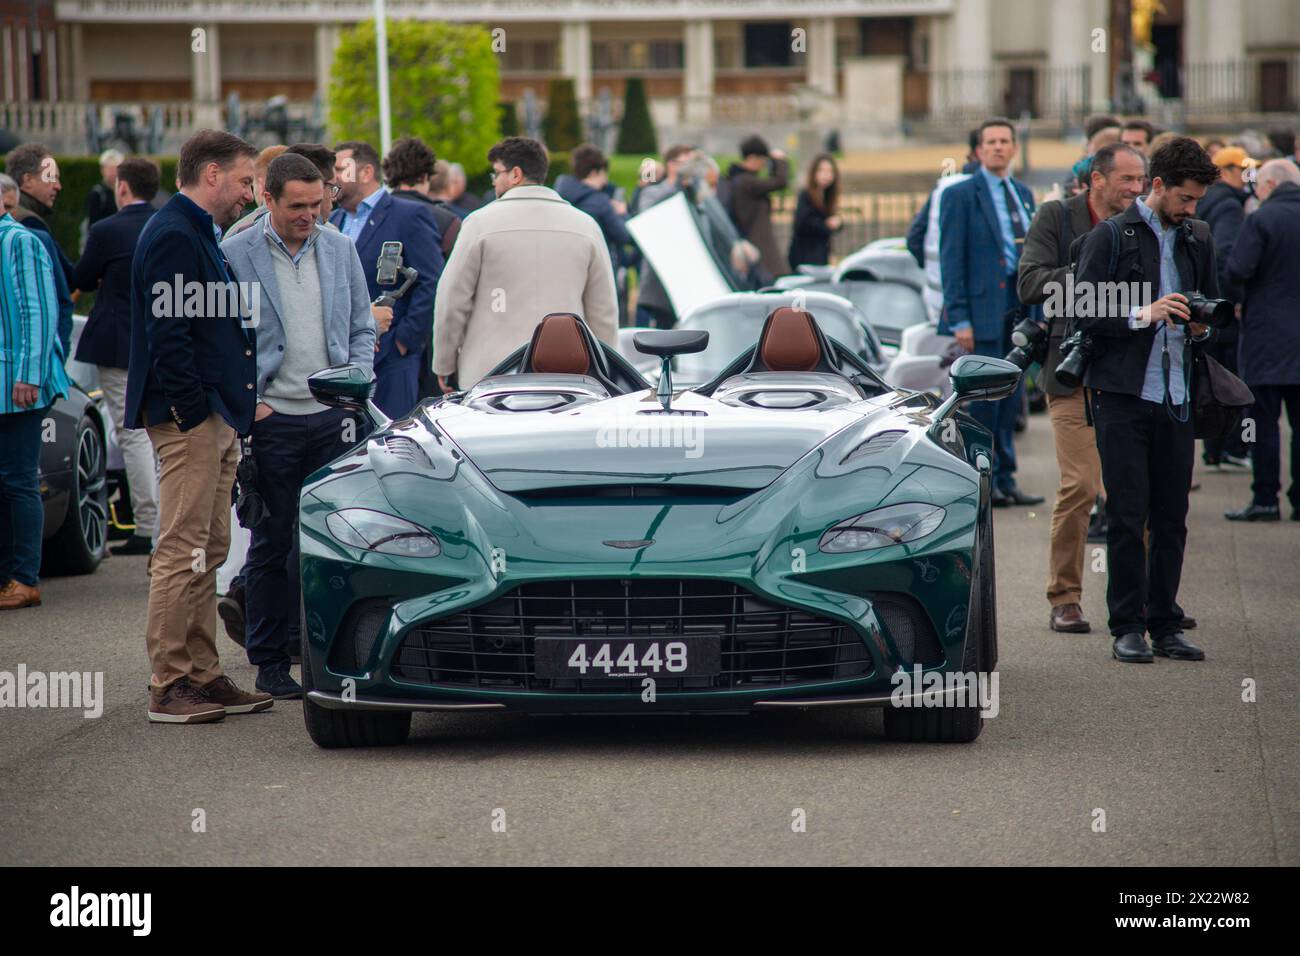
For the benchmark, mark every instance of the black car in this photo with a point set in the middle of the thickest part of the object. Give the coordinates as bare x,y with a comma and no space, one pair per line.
74,485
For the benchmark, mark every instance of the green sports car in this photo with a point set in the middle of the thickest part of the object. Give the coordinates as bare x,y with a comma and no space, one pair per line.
565,537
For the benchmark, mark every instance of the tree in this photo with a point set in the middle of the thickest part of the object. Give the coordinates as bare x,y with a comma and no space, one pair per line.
444,81
562,126
509,125
636,131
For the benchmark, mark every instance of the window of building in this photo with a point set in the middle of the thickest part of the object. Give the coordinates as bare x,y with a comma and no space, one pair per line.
531,56
768,44
637,55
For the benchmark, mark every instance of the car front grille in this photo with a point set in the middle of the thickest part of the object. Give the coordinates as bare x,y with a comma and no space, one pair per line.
763,644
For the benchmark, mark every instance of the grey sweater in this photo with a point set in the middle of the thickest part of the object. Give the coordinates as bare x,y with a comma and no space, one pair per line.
305,351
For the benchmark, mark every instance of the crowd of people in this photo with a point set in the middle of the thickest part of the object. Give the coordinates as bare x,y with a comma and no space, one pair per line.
1182,219
200,391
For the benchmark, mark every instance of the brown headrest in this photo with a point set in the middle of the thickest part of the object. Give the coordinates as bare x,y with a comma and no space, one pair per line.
790,342
559,347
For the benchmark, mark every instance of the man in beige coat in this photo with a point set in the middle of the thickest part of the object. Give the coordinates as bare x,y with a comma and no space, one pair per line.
516,260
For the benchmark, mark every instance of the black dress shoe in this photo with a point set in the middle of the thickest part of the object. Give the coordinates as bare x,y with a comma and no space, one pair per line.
1017,497
1187,623
998,500
1254,512
1176,647
1132,649
136,544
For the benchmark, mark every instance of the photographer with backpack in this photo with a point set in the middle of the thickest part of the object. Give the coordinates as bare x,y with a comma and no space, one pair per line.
1116,180
1139,379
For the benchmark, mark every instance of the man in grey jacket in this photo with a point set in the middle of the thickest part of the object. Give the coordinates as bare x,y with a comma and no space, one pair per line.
312,310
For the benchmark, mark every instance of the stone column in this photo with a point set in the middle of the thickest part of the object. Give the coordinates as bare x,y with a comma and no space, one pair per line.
698,79
821,54
76,84
327,41
575,58
205,63
970,50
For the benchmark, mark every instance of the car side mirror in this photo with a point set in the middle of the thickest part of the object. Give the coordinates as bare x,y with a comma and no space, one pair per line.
979,378
665,343
350,387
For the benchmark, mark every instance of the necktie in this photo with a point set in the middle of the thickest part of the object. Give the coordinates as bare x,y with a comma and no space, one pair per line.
1013,210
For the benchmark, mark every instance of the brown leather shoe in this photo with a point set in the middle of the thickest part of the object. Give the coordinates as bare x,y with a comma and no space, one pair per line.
1069,619
224,691
183,703
15,594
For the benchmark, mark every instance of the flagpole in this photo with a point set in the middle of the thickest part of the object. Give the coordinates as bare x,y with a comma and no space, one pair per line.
381,53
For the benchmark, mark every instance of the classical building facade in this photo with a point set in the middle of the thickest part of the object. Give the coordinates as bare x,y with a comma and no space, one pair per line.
866,63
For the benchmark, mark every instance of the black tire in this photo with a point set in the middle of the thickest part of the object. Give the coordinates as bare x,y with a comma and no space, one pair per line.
81,542
333,729
963,724
988,592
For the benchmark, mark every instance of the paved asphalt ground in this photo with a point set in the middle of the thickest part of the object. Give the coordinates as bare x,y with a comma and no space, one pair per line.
1185,771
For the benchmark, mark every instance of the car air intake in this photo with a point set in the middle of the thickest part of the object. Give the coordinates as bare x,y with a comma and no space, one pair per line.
764,644
909,626
356,636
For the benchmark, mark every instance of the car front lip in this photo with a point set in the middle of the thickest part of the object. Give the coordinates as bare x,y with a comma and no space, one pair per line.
335,701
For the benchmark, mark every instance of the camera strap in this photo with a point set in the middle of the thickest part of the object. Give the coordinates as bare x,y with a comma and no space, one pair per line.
1179,413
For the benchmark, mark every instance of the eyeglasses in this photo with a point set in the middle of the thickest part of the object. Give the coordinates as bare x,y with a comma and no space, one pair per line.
499,172
334,190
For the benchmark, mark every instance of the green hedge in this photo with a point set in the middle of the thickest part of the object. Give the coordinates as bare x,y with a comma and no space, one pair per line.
79,174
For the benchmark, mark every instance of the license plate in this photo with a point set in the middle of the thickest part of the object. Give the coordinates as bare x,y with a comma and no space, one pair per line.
591,658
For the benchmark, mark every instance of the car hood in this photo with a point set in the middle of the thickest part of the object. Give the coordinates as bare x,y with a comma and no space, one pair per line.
629,441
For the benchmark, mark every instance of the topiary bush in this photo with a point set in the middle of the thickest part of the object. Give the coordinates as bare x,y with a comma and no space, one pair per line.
78,176
562,126
509,124
636,131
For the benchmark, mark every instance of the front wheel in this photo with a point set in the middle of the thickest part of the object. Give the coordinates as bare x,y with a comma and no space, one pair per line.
332,729
961,724
81,542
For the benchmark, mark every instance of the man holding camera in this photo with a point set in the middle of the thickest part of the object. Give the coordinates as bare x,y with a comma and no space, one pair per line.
1116,180
1139,373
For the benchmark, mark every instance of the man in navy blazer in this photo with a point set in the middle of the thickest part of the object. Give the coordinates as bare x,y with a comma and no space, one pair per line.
368,215
192,385
982,227
105,268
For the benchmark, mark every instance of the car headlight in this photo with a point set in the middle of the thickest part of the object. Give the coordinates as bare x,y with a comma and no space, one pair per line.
387,534
893,524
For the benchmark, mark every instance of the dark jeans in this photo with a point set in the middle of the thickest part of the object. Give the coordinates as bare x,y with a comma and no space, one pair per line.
22,515
287,448
1000,418
1146,466
1267,462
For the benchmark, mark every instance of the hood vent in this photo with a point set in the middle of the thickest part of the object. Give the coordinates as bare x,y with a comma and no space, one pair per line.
874,446
407,449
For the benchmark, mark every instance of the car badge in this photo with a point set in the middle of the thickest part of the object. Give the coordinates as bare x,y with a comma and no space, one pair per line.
630,545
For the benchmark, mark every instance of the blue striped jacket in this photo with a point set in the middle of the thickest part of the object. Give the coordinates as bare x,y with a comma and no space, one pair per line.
30,350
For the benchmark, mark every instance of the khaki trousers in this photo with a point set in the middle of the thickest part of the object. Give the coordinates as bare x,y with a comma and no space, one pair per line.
1080,465
197,472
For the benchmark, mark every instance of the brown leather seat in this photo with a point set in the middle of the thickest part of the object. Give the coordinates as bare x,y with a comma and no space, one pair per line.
562,344
791,341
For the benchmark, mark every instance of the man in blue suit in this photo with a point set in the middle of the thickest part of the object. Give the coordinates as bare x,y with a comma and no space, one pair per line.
192,385
982,228
368,215
105,268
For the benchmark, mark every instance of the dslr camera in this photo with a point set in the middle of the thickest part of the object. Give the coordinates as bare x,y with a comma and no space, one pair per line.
1078,350
1216,313
1029,343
